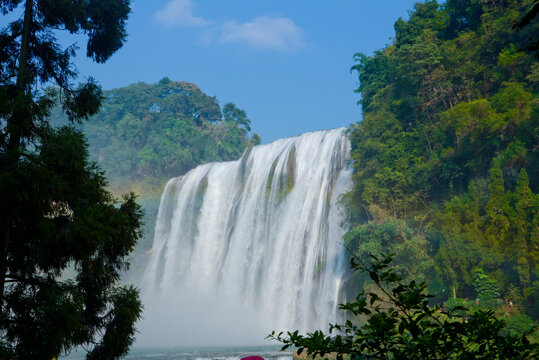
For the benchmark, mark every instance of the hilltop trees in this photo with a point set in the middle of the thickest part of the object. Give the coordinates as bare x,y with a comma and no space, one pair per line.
63,238
152,132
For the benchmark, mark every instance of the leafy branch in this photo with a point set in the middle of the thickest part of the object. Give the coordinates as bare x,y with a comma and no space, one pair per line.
402,325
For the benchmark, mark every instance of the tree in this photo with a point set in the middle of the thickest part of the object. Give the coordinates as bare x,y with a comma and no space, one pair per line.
411,258
462,15
63,238
454,262
233,114
496,209
526,20
402,325
529,16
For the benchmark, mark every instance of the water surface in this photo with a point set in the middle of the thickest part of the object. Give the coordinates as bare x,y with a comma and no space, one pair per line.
200,353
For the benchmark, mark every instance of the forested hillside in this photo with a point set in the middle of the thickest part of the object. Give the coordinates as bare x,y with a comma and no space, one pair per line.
446,161
146,134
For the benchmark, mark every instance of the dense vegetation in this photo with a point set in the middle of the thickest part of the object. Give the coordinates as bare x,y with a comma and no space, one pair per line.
148,133
399,323
55,212
446,163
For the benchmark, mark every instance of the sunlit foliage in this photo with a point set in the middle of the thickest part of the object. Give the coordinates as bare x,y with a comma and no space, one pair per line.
448,146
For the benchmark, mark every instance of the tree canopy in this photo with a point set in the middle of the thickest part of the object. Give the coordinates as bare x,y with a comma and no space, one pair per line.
64,239
152,132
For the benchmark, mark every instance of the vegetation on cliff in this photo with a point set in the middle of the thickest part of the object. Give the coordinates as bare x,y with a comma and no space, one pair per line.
446,163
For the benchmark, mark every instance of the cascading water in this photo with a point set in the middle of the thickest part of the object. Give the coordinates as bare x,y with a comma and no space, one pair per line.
258,239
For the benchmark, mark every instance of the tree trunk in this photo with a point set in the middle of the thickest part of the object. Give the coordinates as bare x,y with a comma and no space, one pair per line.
18,119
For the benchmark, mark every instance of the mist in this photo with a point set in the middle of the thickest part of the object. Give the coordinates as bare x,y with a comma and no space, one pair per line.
187,317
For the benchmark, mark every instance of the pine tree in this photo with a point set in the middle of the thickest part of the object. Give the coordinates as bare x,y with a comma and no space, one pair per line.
63,238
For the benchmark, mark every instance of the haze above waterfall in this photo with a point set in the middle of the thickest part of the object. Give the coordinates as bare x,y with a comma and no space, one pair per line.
249,246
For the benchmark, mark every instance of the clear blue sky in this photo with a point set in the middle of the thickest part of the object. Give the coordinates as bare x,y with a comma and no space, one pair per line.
286,62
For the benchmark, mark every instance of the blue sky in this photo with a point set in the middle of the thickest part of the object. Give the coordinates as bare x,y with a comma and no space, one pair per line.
286,62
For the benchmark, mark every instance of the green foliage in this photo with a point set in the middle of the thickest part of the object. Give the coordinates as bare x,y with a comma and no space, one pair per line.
425,16
401,324
519,324
485,287
462,15
237,116
64,239
454,262
151,132
527,20
411,259
448,146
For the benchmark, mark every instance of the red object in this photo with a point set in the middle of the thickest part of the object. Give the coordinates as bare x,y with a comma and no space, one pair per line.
252,358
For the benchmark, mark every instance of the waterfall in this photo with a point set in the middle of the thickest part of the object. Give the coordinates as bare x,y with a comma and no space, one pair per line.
259,236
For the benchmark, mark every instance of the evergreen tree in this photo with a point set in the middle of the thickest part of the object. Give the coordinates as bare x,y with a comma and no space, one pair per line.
454,262
485,287
63,238
495,209
526,244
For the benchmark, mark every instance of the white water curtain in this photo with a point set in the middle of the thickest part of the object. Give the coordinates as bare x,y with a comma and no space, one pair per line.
262,233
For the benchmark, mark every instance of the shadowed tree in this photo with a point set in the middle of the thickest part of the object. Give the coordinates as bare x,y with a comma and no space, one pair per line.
526,20
63,238
529,16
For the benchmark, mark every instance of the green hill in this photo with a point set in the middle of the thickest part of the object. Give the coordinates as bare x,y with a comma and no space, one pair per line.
147,133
